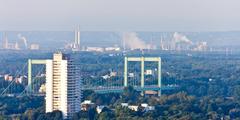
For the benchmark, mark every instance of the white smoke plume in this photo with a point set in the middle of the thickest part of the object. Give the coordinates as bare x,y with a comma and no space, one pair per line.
24,40
179,38
132,41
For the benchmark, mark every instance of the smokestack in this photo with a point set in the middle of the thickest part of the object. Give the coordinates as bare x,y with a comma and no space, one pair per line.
5,41
123,42
161,43
77,38
2,40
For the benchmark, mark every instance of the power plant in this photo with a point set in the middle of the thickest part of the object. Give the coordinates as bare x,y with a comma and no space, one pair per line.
20,44
76,45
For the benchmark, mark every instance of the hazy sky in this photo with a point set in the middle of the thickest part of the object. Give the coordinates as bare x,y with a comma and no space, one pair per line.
120,15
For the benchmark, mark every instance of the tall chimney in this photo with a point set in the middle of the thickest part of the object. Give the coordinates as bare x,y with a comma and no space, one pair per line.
5,41
77,38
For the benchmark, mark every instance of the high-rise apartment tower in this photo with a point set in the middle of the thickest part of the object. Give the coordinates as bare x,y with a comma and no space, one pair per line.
62,85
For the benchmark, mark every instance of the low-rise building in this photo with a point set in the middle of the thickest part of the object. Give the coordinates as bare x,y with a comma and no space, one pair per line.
8,77
147,108
124,104
131,75
95,49
113,74
86,105
112,49
100,108
19,80
34,47
42,88
143,107
133,107
106,77
148,72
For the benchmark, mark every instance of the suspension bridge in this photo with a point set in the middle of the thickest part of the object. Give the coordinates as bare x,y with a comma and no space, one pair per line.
143,73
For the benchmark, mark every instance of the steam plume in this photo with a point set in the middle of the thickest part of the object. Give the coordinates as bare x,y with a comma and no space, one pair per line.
179,38
23,39
132,41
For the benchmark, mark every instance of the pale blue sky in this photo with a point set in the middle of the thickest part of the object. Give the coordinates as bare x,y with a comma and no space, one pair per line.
121,15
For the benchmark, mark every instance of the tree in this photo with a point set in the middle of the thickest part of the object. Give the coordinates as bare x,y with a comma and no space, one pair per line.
129,94
106,115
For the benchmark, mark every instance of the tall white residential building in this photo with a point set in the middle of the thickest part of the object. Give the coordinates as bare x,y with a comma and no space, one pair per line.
62,85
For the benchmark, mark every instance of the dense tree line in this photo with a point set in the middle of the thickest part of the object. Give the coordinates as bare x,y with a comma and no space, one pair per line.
209,88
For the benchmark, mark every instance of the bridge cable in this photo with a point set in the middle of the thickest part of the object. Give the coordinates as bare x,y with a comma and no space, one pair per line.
5,90
26,88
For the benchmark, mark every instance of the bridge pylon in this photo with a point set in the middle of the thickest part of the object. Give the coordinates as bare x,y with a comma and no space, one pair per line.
142,60
30,63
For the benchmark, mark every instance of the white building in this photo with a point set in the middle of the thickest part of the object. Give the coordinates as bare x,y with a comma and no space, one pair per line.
131,75
34,47
86,105
113,74
100,108
62,85
112,49
124,104
8,77
133,107
95,49
145,107
148,72
106,77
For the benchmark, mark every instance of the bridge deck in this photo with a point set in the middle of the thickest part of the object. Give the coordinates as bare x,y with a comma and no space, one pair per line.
120,89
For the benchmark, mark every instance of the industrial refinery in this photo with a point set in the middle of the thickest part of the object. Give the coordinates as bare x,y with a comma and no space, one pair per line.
177,42
100,41
20,43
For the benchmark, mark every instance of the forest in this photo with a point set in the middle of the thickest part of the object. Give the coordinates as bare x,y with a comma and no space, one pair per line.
208,88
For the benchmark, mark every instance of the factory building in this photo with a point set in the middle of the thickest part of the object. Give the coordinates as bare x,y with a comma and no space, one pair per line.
62,85
34,47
